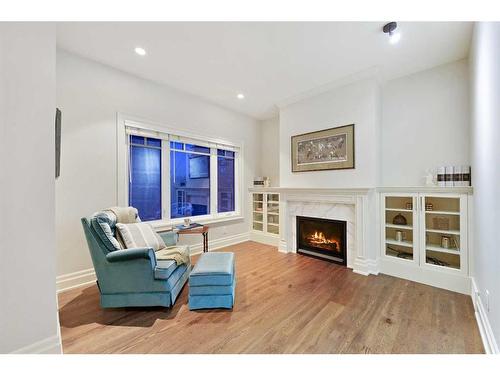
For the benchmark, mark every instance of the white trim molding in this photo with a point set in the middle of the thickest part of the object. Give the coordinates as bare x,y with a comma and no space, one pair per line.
220,243
49,345
489,342
75,280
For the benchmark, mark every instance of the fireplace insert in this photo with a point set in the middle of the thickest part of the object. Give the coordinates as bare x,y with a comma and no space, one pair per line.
322,238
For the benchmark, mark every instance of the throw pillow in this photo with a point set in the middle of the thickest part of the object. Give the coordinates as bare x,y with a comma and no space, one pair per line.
140,235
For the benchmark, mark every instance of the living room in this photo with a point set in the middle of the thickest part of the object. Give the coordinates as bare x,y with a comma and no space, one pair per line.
251,187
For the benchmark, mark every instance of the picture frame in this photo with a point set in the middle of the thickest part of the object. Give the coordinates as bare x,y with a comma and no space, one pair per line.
327,149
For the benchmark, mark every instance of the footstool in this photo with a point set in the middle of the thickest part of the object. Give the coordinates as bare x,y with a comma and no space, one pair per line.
212,282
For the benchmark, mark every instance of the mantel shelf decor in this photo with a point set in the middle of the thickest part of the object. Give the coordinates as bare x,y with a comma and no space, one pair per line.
324,150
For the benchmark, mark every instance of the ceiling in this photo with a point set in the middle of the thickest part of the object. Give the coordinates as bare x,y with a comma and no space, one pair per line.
268,62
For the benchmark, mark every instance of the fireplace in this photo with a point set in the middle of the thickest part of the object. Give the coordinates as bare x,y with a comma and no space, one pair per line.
322,238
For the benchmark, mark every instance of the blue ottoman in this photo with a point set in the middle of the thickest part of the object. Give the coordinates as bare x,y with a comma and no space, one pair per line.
212,282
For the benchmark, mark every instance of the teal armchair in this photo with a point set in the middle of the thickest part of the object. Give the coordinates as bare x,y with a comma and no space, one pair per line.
131,277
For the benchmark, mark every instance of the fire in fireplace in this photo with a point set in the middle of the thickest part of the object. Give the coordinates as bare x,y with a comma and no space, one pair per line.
322,238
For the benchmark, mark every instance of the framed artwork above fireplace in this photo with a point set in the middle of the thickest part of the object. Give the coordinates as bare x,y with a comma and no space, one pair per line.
324,150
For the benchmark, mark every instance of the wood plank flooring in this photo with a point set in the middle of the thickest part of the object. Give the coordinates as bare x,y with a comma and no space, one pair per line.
285,303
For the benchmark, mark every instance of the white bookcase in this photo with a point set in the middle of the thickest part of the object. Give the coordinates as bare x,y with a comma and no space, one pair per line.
266,217
431,247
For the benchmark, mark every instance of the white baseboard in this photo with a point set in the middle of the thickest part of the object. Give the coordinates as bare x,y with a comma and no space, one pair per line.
264,238
75,280
366,267
49,345
220,243
489,342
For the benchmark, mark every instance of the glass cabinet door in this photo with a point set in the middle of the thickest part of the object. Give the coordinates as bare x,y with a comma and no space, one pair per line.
442,224
273,213
258,211
400,227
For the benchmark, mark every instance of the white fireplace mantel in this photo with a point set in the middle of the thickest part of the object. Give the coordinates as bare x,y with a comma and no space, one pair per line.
355,206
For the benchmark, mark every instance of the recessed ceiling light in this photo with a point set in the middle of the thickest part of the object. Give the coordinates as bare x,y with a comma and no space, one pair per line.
240,96
390,29
394,38
140,51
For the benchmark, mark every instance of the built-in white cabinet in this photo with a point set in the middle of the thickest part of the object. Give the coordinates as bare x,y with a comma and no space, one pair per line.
266,215
424,237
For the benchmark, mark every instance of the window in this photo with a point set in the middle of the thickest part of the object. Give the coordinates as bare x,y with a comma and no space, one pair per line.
171,177
145,177
225,181
189,180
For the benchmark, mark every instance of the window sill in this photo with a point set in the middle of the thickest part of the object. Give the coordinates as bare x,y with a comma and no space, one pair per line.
164,225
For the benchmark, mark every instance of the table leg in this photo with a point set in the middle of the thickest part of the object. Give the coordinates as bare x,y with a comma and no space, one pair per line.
205,242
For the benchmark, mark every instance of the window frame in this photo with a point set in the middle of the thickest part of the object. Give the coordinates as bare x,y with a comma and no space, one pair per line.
129,125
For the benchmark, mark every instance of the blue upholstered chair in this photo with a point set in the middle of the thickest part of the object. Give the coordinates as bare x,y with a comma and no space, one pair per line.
131,277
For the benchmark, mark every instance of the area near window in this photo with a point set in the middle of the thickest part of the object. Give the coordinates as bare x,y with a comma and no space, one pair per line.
173,176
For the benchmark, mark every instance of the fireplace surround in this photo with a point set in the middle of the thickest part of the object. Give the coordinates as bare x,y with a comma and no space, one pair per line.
322,238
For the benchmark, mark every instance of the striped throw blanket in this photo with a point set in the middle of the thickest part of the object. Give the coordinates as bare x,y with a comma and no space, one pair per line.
143,235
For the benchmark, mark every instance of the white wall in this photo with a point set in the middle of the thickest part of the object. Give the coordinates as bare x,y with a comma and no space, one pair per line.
485,95
406,127
28,309
357,103
270,150
90,95
425,123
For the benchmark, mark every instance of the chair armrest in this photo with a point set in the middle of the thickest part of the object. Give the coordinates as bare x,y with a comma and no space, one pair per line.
131,254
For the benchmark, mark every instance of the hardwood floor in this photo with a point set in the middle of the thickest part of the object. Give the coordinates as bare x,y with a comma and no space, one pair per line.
285,303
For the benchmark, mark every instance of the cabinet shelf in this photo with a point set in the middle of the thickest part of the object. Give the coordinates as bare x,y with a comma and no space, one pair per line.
398,210
408,227
442,249
443,213
399,243
443,231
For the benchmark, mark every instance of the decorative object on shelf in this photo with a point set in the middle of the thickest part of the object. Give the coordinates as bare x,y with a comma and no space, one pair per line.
404,255
324,150
429,206
466,176
441,223
445,242
457,175
409,206
400,254
399,220
261,181
429,178
399,235
441,176
450,176
432,260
